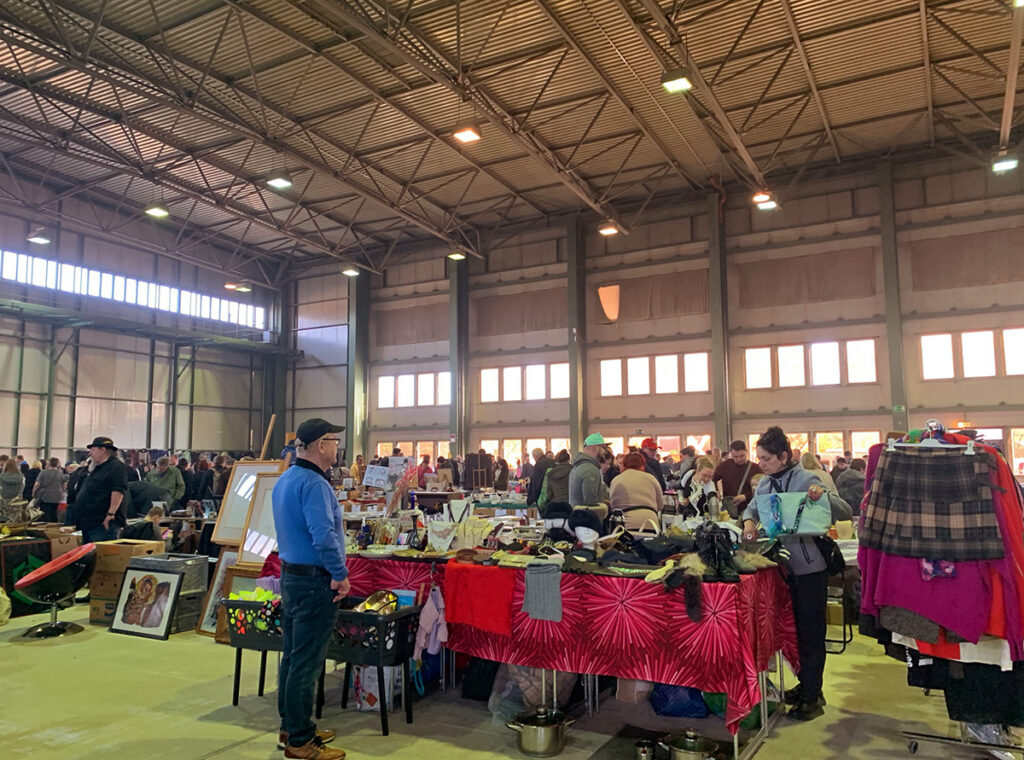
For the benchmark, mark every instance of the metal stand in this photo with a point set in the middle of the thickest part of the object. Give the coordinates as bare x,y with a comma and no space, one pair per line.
914,739
767,721
591,693
52,629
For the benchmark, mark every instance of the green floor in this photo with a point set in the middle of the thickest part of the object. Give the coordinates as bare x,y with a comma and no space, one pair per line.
102,695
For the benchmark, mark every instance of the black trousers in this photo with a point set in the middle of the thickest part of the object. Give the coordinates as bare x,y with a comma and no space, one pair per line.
810,597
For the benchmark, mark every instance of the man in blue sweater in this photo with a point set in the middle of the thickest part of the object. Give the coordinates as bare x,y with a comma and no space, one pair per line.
311,543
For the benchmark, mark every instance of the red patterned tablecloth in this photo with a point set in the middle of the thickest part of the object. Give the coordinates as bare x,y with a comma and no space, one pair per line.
627,628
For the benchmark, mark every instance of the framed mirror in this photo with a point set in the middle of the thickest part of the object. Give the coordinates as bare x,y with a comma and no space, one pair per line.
259,537
234,506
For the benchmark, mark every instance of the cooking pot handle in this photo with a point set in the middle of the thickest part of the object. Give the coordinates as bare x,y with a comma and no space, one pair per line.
664,746
515,726
568,722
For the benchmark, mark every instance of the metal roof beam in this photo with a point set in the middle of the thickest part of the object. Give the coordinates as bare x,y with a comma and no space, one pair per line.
927,54
434,64
568,36
805,63
668,28
1012,69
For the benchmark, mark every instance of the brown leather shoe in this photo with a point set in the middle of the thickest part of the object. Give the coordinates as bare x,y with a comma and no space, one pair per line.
314,749
326,736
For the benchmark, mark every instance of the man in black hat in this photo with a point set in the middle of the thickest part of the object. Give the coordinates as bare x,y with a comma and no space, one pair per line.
98,512
311,544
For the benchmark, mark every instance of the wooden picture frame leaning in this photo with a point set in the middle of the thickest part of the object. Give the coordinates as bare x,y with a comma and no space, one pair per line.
234,505
259,536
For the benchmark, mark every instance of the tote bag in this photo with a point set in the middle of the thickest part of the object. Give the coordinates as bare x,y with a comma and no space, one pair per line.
793,513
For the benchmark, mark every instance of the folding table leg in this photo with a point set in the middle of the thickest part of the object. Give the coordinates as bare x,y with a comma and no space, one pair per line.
407,691
344,688
238,675
382,687
263,671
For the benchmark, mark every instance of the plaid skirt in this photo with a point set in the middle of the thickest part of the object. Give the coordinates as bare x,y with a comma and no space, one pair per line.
932,503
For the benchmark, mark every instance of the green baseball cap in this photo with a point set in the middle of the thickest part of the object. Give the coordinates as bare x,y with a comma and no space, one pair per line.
595,439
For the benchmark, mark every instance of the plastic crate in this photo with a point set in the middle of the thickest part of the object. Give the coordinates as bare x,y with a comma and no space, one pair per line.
254,625
366,638
195,567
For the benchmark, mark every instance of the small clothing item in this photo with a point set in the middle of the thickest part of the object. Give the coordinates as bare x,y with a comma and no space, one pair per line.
542,599
907,623
433,630
480,596
934,504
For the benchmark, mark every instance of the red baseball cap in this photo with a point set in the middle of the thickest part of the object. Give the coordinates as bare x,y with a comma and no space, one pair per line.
649,443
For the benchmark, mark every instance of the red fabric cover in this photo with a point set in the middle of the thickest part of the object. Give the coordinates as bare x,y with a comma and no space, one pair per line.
480,596
626,628
54,565
271,566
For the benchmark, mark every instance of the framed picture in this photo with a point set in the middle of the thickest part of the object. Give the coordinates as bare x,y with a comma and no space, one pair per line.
207,624
145,606
259,536
237,496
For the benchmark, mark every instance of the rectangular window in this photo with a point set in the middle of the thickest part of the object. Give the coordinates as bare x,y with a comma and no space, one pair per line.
512,384
829,445
488,385
695,373
118,288
51,275
385,392
24,269
752,444
791,367
611,377
979,353
824,364
617,445
700,442
67,276
557,444
94,283
512,452
9,270
131,292
666,374
560,380
535,443
536,382
860,361
638,376
425,447
635,440
444,388
406,391
758,362
1017,450
937,356
798,442
204,307
861,441
490,446
384,448
232,311
261,318
38,268
186,302
107,286
994,436
444,449
214,308
425,390
1013,351
670,446
405,447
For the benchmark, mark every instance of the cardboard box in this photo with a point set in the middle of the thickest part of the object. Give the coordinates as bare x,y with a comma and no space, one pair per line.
102,610
105,585
114,556
834,614
633,691
63,544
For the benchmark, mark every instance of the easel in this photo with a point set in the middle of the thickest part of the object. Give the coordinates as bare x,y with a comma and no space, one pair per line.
266,438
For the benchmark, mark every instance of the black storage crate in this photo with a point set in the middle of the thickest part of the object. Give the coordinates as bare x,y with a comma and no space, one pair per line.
367,638
194,566
254,625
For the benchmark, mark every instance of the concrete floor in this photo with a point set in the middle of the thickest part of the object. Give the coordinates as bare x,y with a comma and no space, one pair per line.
102,695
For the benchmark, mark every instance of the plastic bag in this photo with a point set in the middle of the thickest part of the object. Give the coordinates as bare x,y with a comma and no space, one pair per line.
716,704
678,701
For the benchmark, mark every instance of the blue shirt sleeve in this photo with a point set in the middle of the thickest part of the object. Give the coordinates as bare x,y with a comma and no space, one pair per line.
323,519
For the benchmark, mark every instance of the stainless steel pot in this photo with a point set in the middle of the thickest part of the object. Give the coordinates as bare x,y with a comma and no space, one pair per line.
541,731
690,746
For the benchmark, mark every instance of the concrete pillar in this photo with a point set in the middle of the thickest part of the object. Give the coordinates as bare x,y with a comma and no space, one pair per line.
893,302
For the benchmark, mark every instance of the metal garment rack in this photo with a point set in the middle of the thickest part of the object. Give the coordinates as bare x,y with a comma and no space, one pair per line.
914,739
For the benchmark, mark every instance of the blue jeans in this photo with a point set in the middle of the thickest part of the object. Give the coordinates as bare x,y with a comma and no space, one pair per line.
100,534
309,612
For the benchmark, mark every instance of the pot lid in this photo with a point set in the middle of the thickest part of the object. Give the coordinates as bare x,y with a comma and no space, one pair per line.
691,741
542,716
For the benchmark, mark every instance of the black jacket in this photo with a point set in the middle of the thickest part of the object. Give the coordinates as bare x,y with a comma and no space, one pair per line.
537,479
655,469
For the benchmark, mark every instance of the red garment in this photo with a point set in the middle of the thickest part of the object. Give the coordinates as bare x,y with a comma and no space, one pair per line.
271,566
942,649
480,596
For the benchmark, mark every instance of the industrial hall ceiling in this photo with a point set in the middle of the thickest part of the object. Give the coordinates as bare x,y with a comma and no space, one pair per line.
355,109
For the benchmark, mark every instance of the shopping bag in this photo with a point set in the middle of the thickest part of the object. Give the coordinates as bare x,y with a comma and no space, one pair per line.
678,701
367,688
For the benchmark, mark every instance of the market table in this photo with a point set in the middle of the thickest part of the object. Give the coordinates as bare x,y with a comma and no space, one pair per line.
628,628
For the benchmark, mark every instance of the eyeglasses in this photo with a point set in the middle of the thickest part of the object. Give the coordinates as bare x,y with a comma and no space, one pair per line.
335,440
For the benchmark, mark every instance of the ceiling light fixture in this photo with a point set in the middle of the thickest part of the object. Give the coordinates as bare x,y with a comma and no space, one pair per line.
457,256
38,235
279,180
608,227
350,272
767,205
761,196
243,287
157,211
231,286
1004,161
467,133
676,80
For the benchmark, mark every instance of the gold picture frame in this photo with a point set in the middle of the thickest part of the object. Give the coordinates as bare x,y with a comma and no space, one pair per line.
234,505
259,536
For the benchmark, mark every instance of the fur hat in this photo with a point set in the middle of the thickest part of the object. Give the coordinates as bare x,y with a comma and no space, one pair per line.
557,510
584,518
